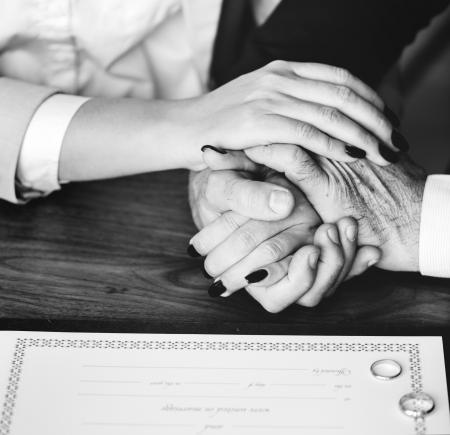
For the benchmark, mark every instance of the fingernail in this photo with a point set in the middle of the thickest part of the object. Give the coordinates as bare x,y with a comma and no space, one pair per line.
388,154
333,235
227,293
216,289
210,147
313,259
192,252
370,263
391,116
399,141
279,201
355,152
256,276
205,273
350,232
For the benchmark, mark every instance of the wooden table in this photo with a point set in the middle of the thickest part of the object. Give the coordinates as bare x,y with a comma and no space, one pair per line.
114,253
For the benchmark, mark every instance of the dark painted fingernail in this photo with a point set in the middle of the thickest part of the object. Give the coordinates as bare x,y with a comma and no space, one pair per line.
256,276
388,154
399,141
210,147
355,152
205,273
391,116
192,252
216,289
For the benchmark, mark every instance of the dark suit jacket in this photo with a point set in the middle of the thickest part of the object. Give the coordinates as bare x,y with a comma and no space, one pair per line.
364,36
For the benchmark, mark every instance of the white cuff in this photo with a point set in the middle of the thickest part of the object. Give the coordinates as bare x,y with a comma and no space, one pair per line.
37,169
434,243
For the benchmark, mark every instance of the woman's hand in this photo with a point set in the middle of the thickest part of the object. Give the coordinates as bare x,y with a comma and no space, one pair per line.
313,272
323,109
243,253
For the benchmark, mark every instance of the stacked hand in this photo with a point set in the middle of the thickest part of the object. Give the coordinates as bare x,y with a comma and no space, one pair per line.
257,237
241,251
321,108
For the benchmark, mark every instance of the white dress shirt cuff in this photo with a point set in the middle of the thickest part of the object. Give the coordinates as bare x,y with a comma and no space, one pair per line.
434,244
37,170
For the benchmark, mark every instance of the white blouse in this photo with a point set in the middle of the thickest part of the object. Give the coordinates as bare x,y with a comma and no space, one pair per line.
110,48
139,48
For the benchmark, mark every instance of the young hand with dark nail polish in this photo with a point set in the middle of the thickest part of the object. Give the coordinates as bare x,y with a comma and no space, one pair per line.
256,276
388,154
355,152
212,148
216,289
399,141
391,116
192,252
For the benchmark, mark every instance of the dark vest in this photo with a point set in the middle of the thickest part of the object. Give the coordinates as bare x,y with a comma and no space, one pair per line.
364,36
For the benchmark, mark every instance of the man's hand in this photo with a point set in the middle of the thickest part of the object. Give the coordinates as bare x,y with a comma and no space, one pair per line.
212,193
385,201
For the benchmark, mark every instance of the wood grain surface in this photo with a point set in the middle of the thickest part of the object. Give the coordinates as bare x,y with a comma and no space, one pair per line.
115,251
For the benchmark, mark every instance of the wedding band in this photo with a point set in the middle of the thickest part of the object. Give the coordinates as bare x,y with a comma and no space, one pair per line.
416,405
386,369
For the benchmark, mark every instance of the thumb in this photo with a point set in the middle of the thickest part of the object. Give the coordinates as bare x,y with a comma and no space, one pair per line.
366,257
297,165
231,190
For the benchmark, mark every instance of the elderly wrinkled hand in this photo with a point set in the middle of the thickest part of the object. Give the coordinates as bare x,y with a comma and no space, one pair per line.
386,201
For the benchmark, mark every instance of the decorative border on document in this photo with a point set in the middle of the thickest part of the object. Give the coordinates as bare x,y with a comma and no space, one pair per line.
26,343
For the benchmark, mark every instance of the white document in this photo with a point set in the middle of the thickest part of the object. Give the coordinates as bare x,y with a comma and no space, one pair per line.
136,384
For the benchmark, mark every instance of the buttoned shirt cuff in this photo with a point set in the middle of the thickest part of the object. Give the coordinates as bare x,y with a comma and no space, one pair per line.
37,169
434,243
